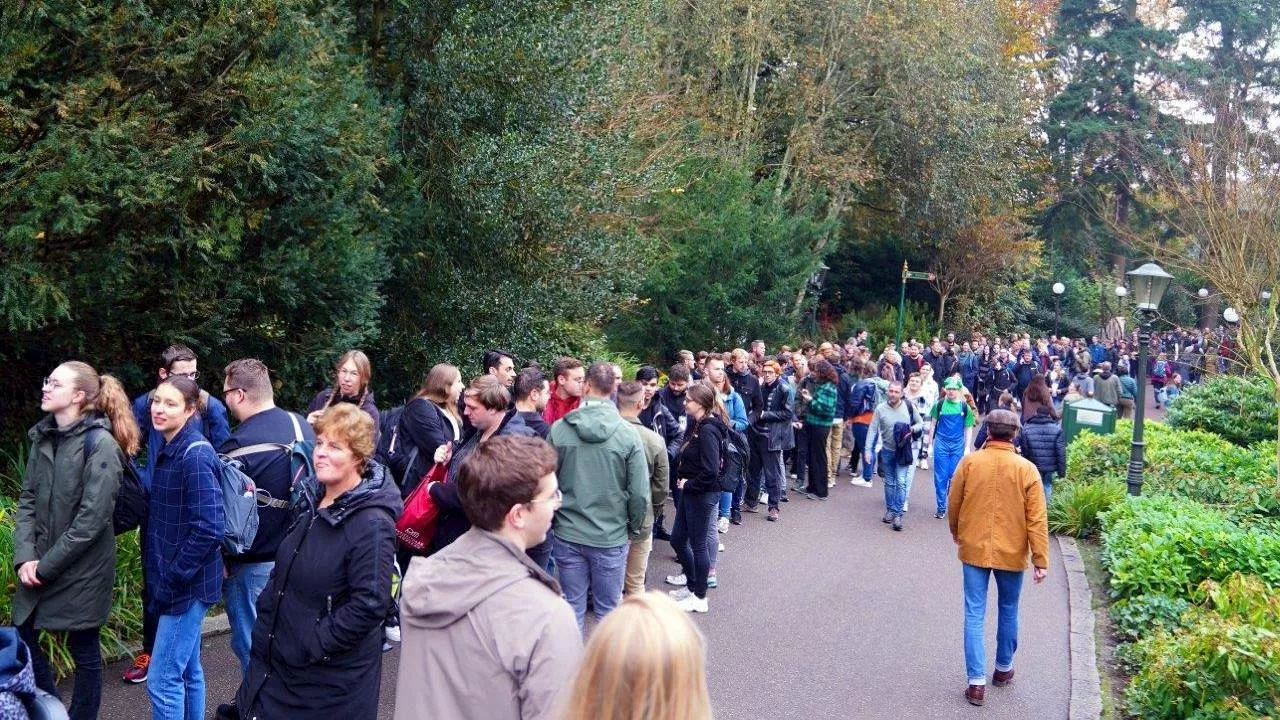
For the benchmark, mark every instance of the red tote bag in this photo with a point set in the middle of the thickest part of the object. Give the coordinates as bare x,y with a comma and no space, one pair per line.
417,524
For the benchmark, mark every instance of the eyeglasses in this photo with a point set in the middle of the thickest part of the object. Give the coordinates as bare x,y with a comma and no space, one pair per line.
51,384
555,498
228,391
192,376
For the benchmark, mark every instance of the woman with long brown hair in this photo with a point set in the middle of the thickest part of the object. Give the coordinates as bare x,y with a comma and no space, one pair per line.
697,473
351,385
645,661
64,546
430,419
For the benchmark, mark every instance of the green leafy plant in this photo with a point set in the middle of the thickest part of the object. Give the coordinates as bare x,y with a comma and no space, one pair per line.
1170,546
1076,506
1138,617
1184,463
1241,409
1224,664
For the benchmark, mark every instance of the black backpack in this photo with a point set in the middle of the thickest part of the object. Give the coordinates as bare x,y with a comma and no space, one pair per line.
735,452
133,501
388,434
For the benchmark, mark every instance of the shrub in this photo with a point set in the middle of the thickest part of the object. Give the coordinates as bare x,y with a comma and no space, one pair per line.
1170,546
1224,664
1077,505
1184,463
1238,408
1138,617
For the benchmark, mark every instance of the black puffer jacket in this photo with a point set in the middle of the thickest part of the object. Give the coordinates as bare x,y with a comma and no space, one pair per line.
699,459
317,643
1043,444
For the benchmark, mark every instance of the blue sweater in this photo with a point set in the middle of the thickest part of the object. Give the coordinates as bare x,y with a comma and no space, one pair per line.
182,556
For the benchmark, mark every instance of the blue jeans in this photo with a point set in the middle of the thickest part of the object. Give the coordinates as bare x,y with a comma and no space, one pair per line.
240,593
582,567
175,680
896,481
540,554
944,468
695,522
1008,589
1046,479
726,504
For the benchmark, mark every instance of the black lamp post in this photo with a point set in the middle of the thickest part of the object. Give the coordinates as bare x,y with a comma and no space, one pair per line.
1058,289
1149,284
816,281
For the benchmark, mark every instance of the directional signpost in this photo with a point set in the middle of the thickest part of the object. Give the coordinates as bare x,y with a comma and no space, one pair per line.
907,274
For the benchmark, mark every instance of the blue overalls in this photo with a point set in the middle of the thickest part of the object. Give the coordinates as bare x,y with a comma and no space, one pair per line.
948,450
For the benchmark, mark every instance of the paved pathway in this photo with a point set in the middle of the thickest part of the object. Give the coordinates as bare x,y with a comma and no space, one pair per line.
827,613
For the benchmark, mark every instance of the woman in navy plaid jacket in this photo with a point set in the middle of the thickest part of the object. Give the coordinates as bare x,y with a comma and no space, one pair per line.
183,560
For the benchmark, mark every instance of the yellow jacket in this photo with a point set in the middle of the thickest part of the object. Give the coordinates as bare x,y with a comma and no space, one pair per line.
996,510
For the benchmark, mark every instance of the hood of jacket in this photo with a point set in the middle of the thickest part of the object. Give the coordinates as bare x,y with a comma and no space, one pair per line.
48,427
595,420
376,490
1042,417
448,586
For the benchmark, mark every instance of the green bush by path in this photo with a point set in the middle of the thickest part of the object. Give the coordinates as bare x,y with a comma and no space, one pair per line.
1191,464
1240,409
1224,664
1169,546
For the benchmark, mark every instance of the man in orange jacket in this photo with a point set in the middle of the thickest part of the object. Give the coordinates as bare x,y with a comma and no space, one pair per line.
997,514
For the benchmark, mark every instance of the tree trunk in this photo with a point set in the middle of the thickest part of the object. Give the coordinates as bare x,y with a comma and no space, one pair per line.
942,311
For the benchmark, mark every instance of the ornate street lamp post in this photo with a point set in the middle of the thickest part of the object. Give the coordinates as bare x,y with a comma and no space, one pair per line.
1058,289
1149,284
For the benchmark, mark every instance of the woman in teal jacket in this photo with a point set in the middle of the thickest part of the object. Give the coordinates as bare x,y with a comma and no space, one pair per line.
818,418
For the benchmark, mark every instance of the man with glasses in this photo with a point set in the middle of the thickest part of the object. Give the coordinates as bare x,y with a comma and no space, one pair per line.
175,360
261,443
773,436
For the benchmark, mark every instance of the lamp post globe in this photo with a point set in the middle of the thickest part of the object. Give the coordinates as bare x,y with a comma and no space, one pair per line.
1231,316
1203,293
1058,289
1121,291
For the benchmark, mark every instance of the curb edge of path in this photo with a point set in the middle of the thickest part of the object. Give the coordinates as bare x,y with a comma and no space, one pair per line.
214,625
1086,686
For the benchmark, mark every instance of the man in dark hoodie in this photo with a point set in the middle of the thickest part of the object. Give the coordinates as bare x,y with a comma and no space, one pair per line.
604,477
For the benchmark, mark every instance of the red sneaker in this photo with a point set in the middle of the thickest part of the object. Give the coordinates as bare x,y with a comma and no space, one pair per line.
138,673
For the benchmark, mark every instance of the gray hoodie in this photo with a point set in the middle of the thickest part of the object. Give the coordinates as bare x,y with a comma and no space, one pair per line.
486,635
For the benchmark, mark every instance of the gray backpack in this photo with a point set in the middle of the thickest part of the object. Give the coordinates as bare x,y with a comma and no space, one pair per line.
239,504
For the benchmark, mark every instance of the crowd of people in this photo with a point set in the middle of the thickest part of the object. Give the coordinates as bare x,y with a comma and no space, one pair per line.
550,488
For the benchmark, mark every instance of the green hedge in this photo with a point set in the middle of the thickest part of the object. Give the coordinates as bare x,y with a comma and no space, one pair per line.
123,630
1191,464
1240,409
1224,662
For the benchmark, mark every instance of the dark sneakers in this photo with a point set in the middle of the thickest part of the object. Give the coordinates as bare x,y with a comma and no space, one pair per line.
888,517
773,515
750,508
976,694
897,522
1000,678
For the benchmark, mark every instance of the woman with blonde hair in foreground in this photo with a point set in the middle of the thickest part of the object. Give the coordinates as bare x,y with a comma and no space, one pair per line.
645,661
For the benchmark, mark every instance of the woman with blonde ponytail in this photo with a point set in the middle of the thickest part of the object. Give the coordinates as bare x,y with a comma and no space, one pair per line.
64,547
645,661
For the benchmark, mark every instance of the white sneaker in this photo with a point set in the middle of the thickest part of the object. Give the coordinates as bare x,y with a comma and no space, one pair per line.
677,580
764,498
680,594
693,604
924,464
906,506
721,548
393,634
860,482
723,525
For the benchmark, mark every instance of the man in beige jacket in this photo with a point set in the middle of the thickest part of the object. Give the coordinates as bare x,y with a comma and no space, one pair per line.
997,516
486,632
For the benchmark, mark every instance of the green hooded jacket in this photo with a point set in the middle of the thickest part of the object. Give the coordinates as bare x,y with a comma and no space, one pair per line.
64,521
604,476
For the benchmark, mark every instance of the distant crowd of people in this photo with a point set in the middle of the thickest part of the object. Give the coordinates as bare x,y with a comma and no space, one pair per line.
536,497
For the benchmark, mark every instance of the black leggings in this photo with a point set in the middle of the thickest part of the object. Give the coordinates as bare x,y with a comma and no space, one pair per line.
816,440
689,536
86,651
